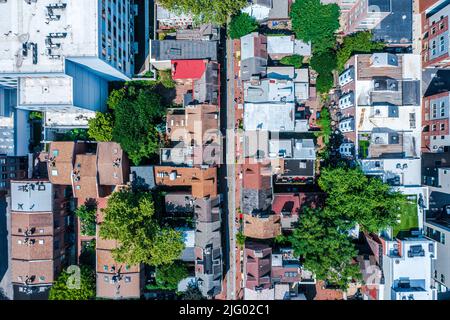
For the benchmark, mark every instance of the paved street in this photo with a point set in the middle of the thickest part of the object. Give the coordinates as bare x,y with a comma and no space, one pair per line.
230,163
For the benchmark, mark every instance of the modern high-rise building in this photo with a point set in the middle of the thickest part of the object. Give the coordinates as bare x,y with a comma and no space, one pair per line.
59,55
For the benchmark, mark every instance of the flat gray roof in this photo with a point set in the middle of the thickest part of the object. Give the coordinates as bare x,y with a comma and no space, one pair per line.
397,27
31,196
144,175
260,117
183,49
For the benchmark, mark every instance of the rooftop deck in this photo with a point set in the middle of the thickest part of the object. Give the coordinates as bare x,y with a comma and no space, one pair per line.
366,71
32,23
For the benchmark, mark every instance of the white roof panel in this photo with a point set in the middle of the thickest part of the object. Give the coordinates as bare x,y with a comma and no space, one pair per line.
31,196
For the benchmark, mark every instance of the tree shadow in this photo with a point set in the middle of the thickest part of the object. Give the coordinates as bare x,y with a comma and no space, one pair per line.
168,95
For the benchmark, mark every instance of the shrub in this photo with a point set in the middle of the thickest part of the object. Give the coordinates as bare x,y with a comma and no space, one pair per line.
294,60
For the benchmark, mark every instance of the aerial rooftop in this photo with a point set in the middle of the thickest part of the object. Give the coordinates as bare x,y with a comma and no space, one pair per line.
261,117
183,49
31,196
37,27
269,91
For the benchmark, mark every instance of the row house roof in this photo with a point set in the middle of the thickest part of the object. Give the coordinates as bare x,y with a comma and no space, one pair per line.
37,240
114,280
188,69
195,124
88,170
203,181
265,268
257,259
183,50
33,273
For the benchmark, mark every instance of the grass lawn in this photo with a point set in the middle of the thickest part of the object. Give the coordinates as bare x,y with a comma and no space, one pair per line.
409,220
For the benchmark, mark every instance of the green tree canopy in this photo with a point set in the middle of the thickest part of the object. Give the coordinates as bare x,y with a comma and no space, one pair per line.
322,234
167,246
136,110
360,42
169,275
215,11
129,219
241,25
323,62
101,127
324,122
315,22
327,251
324,82
192,293
88,219
295,60
354,198
65,287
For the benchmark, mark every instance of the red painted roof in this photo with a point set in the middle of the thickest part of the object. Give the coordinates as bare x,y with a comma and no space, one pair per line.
188,69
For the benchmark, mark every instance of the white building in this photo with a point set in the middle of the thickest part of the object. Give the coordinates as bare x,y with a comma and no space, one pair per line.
292,148
59,55
381,118
273,117
259,9
438,229
283,46
279,91
407,268
266,11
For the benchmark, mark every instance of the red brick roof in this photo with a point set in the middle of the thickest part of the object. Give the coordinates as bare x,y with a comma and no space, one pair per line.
257,176
323,293
294,202
288,201
425,4
188,69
